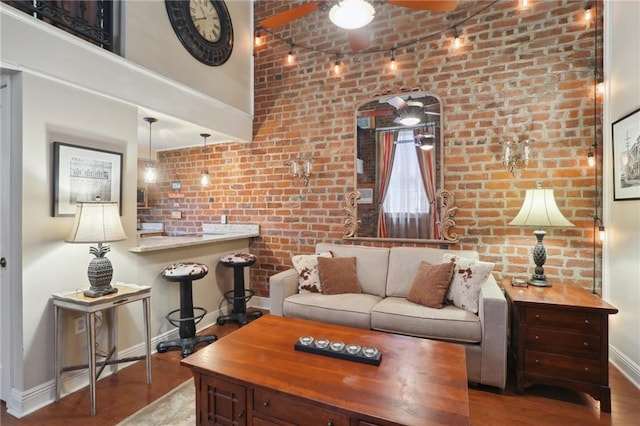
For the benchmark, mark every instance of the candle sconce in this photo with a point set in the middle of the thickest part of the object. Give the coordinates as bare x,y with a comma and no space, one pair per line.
300,168
516,155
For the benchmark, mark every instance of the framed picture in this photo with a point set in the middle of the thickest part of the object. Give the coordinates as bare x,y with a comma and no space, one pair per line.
366,194
82,174
626,157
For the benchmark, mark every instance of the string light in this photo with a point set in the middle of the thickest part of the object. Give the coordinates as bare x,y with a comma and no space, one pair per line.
524,4
587,12
392,64
591,159
336,66
258,39
456,39
291,58
600,86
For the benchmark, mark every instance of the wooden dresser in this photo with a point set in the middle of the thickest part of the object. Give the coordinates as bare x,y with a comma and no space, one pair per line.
560,337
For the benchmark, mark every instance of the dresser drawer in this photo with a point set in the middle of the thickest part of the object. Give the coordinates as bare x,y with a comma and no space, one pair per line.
565,367
563,342
294,410
570,320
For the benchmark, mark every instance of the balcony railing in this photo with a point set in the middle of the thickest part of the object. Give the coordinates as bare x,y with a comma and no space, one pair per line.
92,20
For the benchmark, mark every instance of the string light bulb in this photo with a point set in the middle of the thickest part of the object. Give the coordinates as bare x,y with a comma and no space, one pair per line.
587,12
258,39
591,158
392,63
204,177
291,58
336,66
524,4
456,39
600,86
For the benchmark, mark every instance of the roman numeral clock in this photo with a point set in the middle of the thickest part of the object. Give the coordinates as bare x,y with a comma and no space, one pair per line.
203,27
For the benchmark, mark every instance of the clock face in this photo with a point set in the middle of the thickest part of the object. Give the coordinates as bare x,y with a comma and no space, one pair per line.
203,27
205,18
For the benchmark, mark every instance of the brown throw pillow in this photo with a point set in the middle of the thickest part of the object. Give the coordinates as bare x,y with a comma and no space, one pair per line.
431,284
338,275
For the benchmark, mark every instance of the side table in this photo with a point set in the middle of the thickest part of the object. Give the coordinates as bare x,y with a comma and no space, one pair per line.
77,301
560,337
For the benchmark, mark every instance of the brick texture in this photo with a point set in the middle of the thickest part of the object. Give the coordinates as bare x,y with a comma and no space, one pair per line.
520,74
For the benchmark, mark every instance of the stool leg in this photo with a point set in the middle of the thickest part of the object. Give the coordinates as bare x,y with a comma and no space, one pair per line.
187,328
239,305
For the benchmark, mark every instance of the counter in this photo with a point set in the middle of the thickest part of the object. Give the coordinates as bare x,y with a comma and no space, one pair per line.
211,233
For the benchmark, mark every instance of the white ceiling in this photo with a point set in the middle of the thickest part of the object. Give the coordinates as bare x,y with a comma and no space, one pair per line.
172,133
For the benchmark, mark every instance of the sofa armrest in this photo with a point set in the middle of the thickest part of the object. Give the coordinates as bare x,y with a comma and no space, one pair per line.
281,285
493,313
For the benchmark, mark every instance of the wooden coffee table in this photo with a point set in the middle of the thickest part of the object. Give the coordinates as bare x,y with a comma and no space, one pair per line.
254,376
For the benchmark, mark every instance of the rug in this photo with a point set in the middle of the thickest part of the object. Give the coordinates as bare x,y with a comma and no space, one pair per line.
177,408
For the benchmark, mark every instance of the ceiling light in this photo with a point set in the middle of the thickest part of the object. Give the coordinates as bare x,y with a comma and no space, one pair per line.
411,114
352,14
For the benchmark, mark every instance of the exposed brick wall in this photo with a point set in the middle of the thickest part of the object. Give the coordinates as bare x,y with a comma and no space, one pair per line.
520,74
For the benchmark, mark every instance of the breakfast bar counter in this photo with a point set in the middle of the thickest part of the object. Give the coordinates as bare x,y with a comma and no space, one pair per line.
211,233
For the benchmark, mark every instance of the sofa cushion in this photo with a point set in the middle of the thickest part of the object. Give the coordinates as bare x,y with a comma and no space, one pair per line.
338,275
405,261
431,284
349,309
398,315
307,267
468,277
371,264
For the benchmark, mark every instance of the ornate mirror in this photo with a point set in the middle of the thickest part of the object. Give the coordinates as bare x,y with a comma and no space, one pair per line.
399,176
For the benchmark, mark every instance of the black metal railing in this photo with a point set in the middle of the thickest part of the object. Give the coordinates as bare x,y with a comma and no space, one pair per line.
89,20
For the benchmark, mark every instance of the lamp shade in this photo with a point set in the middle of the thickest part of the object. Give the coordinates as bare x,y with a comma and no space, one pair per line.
540,209
351,14
96,222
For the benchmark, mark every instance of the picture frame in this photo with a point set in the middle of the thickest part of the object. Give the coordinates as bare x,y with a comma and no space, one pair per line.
626,157
81,174
366,194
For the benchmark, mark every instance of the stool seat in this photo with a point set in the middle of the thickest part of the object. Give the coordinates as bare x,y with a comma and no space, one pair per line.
181,270
238,296
185,273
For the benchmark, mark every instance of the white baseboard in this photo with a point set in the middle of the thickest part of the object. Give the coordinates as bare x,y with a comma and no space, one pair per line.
627,367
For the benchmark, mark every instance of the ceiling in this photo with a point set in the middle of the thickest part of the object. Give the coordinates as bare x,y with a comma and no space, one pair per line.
170,133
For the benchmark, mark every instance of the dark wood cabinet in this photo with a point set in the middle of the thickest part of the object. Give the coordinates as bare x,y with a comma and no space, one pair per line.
560,336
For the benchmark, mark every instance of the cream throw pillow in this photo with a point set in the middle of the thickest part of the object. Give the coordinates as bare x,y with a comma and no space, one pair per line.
468,277
307,267
431,284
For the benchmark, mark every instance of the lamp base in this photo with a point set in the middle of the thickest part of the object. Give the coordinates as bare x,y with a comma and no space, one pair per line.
100,291
539,281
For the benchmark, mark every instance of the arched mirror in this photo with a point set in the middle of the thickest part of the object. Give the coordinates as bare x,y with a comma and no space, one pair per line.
399,176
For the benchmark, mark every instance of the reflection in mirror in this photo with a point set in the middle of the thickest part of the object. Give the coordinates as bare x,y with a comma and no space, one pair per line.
399,176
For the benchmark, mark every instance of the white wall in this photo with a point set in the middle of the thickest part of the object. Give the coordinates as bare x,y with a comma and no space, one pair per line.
621,261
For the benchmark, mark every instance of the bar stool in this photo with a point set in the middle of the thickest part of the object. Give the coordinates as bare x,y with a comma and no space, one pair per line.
239,296
185,273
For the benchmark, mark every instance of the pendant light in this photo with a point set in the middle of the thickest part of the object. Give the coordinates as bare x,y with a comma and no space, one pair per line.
204,178
149,169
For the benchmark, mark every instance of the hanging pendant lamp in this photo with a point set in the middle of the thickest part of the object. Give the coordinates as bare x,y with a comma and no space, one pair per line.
150,169
204,178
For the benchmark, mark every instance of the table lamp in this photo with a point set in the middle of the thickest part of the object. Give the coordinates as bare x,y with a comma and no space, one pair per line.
540,210
97,222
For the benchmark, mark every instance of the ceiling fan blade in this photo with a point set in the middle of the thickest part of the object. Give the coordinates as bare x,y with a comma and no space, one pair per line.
289,15
376,113
397,102
433,5
359,39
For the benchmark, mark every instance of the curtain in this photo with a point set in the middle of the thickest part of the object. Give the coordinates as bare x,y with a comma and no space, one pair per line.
405,205
427,167
385,152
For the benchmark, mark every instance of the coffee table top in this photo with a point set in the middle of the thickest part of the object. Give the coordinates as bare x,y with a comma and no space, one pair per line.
418,382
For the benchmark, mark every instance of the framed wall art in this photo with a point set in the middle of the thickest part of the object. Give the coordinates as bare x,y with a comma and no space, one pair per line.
82,174
366,194
626,157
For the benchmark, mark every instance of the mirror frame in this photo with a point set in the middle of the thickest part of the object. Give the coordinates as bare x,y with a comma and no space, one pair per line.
445,199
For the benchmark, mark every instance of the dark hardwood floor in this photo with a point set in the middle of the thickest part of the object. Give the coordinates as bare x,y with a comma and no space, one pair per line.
122,394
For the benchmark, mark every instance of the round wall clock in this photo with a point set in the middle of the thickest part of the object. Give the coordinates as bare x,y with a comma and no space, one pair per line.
203,27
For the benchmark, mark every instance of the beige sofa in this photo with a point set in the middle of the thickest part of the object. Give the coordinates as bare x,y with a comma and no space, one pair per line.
386,276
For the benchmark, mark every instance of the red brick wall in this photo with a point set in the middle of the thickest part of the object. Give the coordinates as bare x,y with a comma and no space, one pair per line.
520,74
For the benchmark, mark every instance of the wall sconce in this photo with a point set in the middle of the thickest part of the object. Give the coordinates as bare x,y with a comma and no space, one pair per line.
516,155
300,168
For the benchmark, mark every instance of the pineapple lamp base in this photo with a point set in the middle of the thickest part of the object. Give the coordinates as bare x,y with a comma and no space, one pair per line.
100,272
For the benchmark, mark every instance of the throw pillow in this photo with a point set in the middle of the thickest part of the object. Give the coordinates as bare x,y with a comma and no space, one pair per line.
338,275
431,284
468,277
307,267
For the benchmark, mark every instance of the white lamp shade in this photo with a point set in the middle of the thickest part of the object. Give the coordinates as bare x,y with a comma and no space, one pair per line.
96,222
352,14
540,209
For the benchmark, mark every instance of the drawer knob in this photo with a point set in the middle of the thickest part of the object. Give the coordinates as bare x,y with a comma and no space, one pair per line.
586,321
586,369
241,414
537,316
266,403
537,361
330,423
537,337
586,343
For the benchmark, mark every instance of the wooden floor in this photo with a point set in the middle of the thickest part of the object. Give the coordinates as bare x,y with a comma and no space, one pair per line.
122,394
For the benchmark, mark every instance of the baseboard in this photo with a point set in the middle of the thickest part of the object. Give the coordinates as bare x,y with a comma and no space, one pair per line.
627,367
259,302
